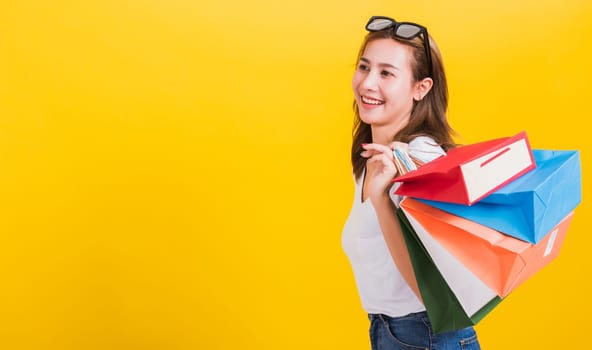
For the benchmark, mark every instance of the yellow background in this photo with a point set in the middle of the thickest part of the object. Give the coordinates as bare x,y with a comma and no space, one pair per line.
175,174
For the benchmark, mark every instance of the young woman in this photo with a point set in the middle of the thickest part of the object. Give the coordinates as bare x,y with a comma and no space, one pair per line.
400,95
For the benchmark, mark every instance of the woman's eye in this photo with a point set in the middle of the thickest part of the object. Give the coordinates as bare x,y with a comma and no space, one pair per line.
363,67
386,73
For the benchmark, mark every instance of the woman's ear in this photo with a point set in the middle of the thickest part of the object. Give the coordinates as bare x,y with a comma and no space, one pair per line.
422,87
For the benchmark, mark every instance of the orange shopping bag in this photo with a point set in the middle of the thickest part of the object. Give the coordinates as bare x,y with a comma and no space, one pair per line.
501,262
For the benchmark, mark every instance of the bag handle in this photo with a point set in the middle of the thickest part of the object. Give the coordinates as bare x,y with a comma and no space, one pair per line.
499,154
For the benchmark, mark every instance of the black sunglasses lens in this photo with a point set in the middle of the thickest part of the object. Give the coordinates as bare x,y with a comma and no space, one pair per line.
379,24
408,31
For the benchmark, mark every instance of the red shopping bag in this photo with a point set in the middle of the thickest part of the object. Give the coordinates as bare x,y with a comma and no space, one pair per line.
468,173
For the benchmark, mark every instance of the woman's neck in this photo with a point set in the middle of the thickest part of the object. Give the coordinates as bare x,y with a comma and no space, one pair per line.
385,134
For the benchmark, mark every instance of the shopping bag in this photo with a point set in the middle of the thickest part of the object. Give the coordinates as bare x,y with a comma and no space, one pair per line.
444,309
471,292
468,173
500,261
529,207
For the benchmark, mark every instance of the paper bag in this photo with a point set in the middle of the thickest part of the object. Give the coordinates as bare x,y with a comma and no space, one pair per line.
444,309
501,262
468,173
529,207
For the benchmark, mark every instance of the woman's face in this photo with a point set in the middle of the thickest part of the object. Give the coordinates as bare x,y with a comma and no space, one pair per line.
383,83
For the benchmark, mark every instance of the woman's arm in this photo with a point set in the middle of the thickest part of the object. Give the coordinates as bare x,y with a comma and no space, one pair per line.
391,229
380,170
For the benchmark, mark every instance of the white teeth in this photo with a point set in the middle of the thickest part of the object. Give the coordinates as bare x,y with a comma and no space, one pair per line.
371,101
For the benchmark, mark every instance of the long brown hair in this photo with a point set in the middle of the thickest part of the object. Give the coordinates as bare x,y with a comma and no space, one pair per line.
428,115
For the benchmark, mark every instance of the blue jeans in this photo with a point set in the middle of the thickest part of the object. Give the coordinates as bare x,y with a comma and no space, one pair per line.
414,332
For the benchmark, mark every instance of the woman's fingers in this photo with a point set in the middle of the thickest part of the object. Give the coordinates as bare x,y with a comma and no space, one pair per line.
381,171
376,147
372,149
381,158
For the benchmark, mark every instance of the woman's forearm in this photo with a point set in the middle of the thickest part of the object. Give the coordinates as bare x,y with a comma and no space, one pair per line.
391,229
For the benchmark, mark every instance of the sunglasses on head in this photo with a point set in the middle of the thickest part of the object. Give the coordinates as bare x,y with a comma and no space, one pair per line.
403,30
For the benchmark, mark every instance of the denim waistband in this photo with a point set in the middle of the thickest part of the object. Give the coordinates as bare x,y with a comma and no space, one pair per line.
421,314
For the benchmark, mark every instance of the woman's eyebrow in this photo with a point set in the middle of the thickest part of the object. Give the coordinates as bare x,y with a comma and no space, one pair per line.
384,65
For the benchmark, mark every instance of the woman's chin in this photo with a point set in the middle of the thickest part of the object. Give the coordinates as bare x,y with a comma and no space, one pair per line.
369,117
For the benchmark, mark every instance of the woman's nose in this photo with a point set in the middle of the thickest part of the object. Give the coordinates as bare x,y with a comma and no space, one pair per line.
370,81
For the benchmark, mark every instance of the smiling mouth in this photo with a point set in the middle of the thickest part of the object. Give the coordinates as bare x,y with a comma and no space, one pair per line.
371,101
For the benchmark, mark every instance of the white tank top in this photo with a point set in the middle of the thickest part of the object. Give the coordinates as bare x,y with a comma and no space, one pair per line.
381,286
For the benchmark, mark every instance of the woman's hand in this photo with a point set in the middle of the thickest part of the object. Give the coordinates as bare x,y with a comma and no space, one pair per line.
380,169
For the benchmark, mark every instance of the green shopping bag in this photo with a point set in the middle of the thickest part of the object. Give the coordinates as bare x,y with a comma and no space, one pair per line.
443,307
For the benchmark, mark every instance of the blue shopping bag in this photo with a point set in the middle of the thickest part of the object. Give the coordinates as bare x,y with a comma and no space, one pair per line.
530,206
